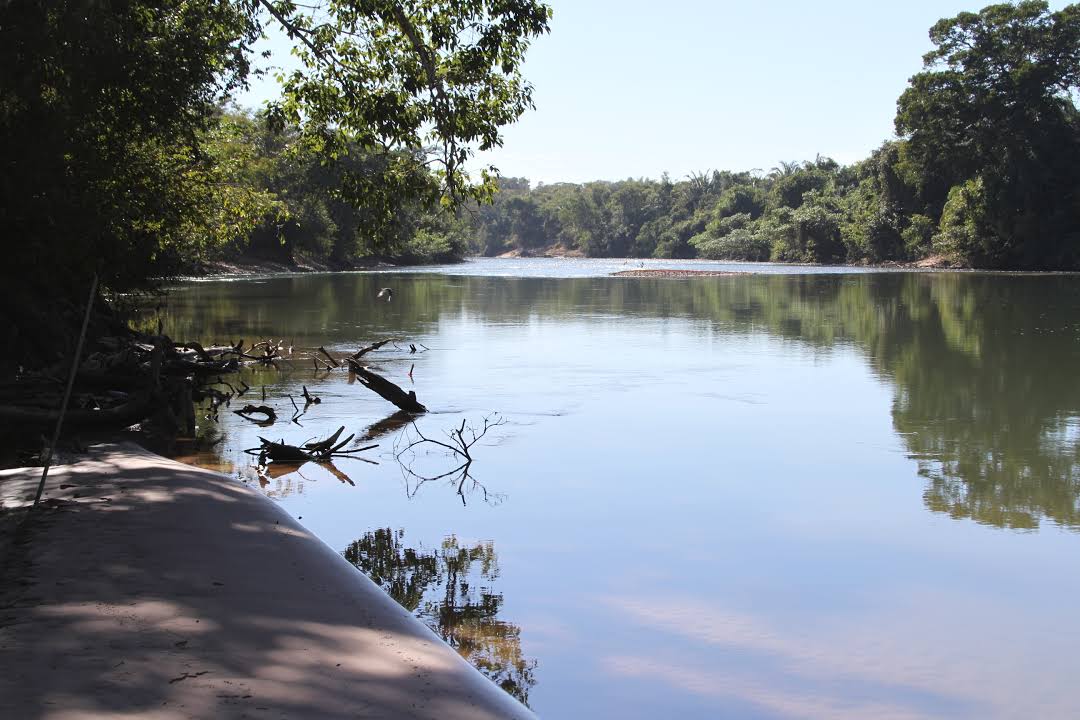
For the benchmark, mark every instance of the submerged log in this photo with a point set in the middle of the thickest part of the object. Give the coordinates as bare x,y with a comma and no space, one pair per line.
319,451
248,411
329,357
364,350
387,390
281,453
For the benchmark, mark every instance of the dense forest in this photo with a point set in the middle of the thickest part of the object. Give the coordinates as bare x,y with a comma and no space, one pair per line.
293,205
985,172
124,157
120,165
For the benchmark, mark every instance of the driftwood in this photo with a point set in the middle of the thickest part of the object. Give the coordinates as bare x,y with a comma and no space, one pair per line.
365,350
271,351
248,411
412,347
180,366
203,355
329,444
318,451
328,356
125,381
279,452
387,390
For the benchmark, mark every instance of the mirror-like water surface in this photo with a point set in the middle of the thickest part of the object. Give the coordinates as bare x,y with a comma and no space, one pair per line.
770,495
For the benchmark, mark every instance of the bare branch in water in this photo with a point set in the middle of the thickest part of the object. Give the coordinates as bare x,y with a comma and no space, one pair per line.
461,441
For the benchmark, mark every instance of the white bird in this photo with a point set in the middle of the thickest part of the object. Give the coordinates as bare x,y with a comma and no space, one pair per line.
387,293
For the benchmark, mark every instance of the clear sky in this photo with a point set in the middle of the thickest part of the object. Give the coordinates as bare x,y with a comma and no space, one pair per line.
634,88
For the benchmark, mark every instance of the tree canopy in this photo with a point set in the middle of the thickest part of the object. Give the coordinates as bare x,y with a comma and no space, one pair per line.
108,108
985,172
993,134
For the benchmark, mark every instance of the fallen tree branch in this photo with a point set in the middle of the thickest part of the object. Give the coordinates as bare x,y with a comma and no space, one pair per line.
248,411
329,357
387,390
318,451
364,350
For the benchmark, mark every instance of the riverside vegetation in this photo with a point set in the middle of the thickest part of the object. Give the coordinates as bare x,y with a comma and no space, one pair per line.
120,166
984,174
123,160
119,161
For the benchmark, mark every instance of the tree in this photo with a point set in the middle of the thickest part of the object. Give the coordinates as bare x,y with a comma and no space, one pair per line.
107,111
995,106
103,107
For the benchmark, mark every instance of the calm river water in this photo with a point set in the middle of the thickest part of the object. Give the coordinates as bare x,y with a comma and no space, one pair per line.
784,494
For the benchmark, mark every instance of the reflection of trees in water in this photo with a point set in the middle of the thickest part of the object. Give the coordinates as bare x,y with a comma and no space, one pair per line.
985,396
983,370
986,399
450,589
982,364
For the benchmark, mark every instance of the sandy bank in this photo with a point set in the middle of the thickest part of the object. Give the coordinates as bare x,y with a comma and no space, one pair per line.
675,273
153,589
250,265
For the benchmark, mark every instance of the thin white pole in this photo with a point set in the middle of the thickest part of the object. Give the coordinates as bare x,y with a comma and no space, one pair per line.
67,392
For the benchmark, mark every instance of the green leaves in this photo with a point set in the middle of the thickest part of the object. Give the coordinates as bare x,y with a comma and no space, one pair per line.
435,78
117,159
993,116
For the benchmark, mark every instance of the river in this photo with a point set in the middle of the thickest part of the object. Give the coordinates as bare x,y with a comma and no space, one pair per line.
789,493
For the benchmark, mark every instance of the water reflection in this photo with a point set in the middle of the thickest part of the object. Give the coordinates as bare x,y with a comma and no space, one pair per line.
386,426
837,670
412,446
450,589
981,366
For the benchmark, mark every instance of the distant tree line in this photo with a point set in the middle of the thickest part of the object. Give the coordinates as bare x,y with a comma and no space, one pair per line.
986,173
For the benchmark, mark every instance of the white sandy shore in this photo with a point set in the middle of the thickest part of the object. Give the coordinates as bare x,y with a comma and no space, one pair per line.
167,591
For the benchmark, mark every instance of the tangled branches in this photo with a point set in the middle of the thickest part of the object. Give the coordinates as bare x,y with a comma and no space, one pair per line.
317,451
459,444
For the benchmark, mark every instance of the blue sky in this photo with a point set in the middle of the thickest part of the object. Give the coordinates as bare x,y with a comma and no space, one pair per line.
633,89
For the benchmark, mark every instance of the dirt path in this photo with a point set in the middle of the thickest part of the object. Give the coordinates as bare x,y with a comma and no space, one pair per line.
151,589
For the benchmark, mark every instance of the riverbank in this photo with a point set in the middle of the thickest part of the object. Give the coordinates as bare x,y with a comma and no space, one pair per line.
560,251
246,266
149,588
674,273
252,265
